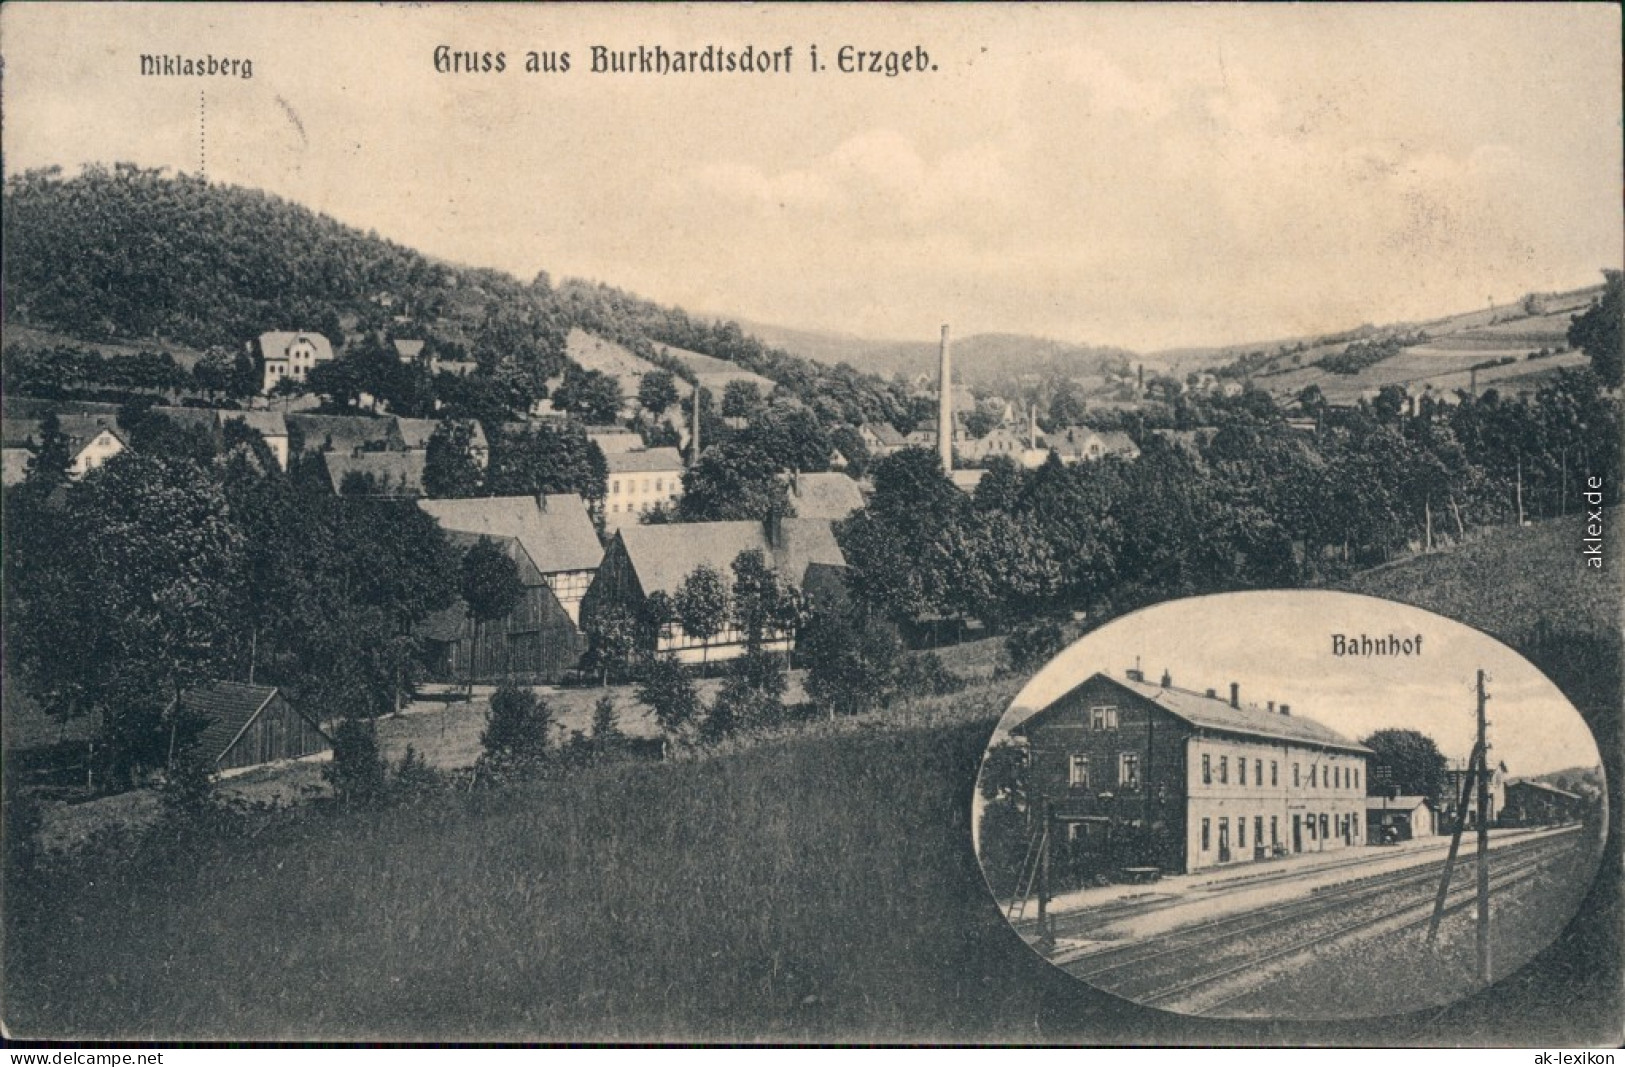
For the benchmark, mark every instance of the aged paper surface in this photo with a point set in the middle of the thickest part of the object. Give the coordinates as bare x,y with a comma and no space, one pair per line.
1155,191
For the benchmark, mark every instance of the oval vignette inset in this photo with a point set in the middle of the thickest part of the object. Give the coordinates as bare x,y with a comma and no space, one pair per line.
1186,792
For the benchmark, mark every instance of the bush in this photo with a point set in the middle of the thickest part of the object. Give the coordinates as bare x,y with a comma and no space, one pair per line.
516,732
1031,647
357,770
414,775
924,674
669,692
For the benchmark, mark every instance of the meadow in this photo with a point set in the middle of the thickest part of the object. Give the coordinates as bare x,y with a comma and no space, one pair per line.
816,884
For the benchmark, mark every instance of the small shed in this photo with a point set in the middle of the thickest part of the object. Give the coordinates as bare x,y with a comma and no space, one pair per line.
251,725
1393,819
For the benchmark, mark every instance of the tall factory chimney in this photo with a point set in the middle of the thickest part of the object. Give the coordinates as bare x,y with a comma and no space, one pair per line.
694,440
945,406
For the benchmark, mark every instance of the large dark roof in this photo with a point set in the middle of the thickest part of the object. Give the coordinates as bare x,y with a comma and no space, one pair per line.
556,532
663,555
1214,714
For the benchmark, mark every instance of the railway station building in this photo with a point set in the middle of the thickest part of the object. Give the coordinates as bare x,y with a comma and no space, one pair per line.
1140,775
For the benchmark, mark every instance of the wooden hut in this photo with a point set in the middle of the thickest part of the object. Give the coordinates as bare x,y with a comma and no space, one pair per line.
251,725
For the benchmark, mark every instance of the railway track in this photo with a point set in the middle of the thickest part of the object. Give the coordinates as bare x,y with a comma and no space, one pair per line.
1197,968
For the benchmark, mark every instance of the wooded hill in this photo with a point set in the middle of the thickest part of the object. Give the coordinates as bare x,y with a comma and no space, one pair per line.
125,254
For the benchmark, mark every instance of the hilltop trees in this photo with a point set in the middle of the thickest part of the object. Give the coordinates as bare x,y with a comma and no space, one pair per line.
1597,331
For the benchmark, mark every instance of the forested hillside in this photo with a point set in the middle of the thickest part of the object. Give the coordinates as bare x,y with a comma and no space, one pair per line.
126,254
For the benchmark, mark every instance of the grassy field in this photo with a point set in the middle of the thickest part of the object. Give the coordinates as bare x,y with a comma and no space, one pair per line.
815,885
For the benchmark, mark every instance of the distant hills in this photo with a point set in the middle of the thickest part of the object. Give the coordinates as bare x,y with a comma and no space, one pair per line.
127,256
984,359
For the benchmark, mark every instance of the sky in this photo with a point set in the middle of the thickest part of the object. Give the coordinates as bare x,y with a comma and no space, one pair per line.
1278,646
1146,176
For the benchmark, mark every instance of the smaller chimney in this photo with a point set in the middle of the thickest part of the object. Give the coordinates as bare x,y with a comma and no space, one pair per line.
1167,679
1213,694
1135,674
1235,694
1272,707
1286,709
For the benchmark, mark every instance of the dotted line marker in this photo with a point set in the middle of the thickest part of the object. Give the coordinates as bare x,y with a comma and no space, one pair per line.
202,135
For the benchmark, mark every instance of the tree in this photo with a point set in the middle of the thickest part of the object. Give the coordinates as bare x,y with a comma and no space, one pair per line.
701,605
789,438
1065,408
449,469
54,455
612,637
741,399
668,691
851,658
357,770
517,731
591,394
490,588
128,603
759,599
1407,763
546,459
980,422
1597,331
732,481
657,391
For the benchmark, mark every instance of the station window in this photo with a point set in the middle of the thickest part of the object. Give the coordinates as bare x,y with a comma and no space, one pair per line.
1103,717
1275,831
1241,770
1356,777
1275,776
615,485
1295,780
1077,772
1224,770
1314,775
1258,831
1258,772
1241,832
1128,770
1207,836
1207,771
1324,825
1310,822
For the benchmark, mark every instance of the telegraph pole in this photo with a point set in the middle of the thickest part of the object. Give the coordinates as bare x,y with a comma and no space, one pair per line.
1483,838
1046,935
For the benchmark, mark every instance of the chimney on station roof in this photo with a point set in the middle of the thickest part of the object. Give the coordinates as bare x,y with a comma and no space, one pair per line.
1286,709
1167,678
1235,694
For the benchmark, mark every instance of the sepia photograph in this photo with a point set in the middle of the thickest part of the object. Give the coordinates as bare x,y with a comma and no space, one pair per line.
1218,851
785,523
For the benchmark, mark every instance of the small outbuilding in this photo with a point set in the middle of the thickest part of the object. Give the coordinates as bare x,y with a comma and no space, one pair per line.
251,725
1389,820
